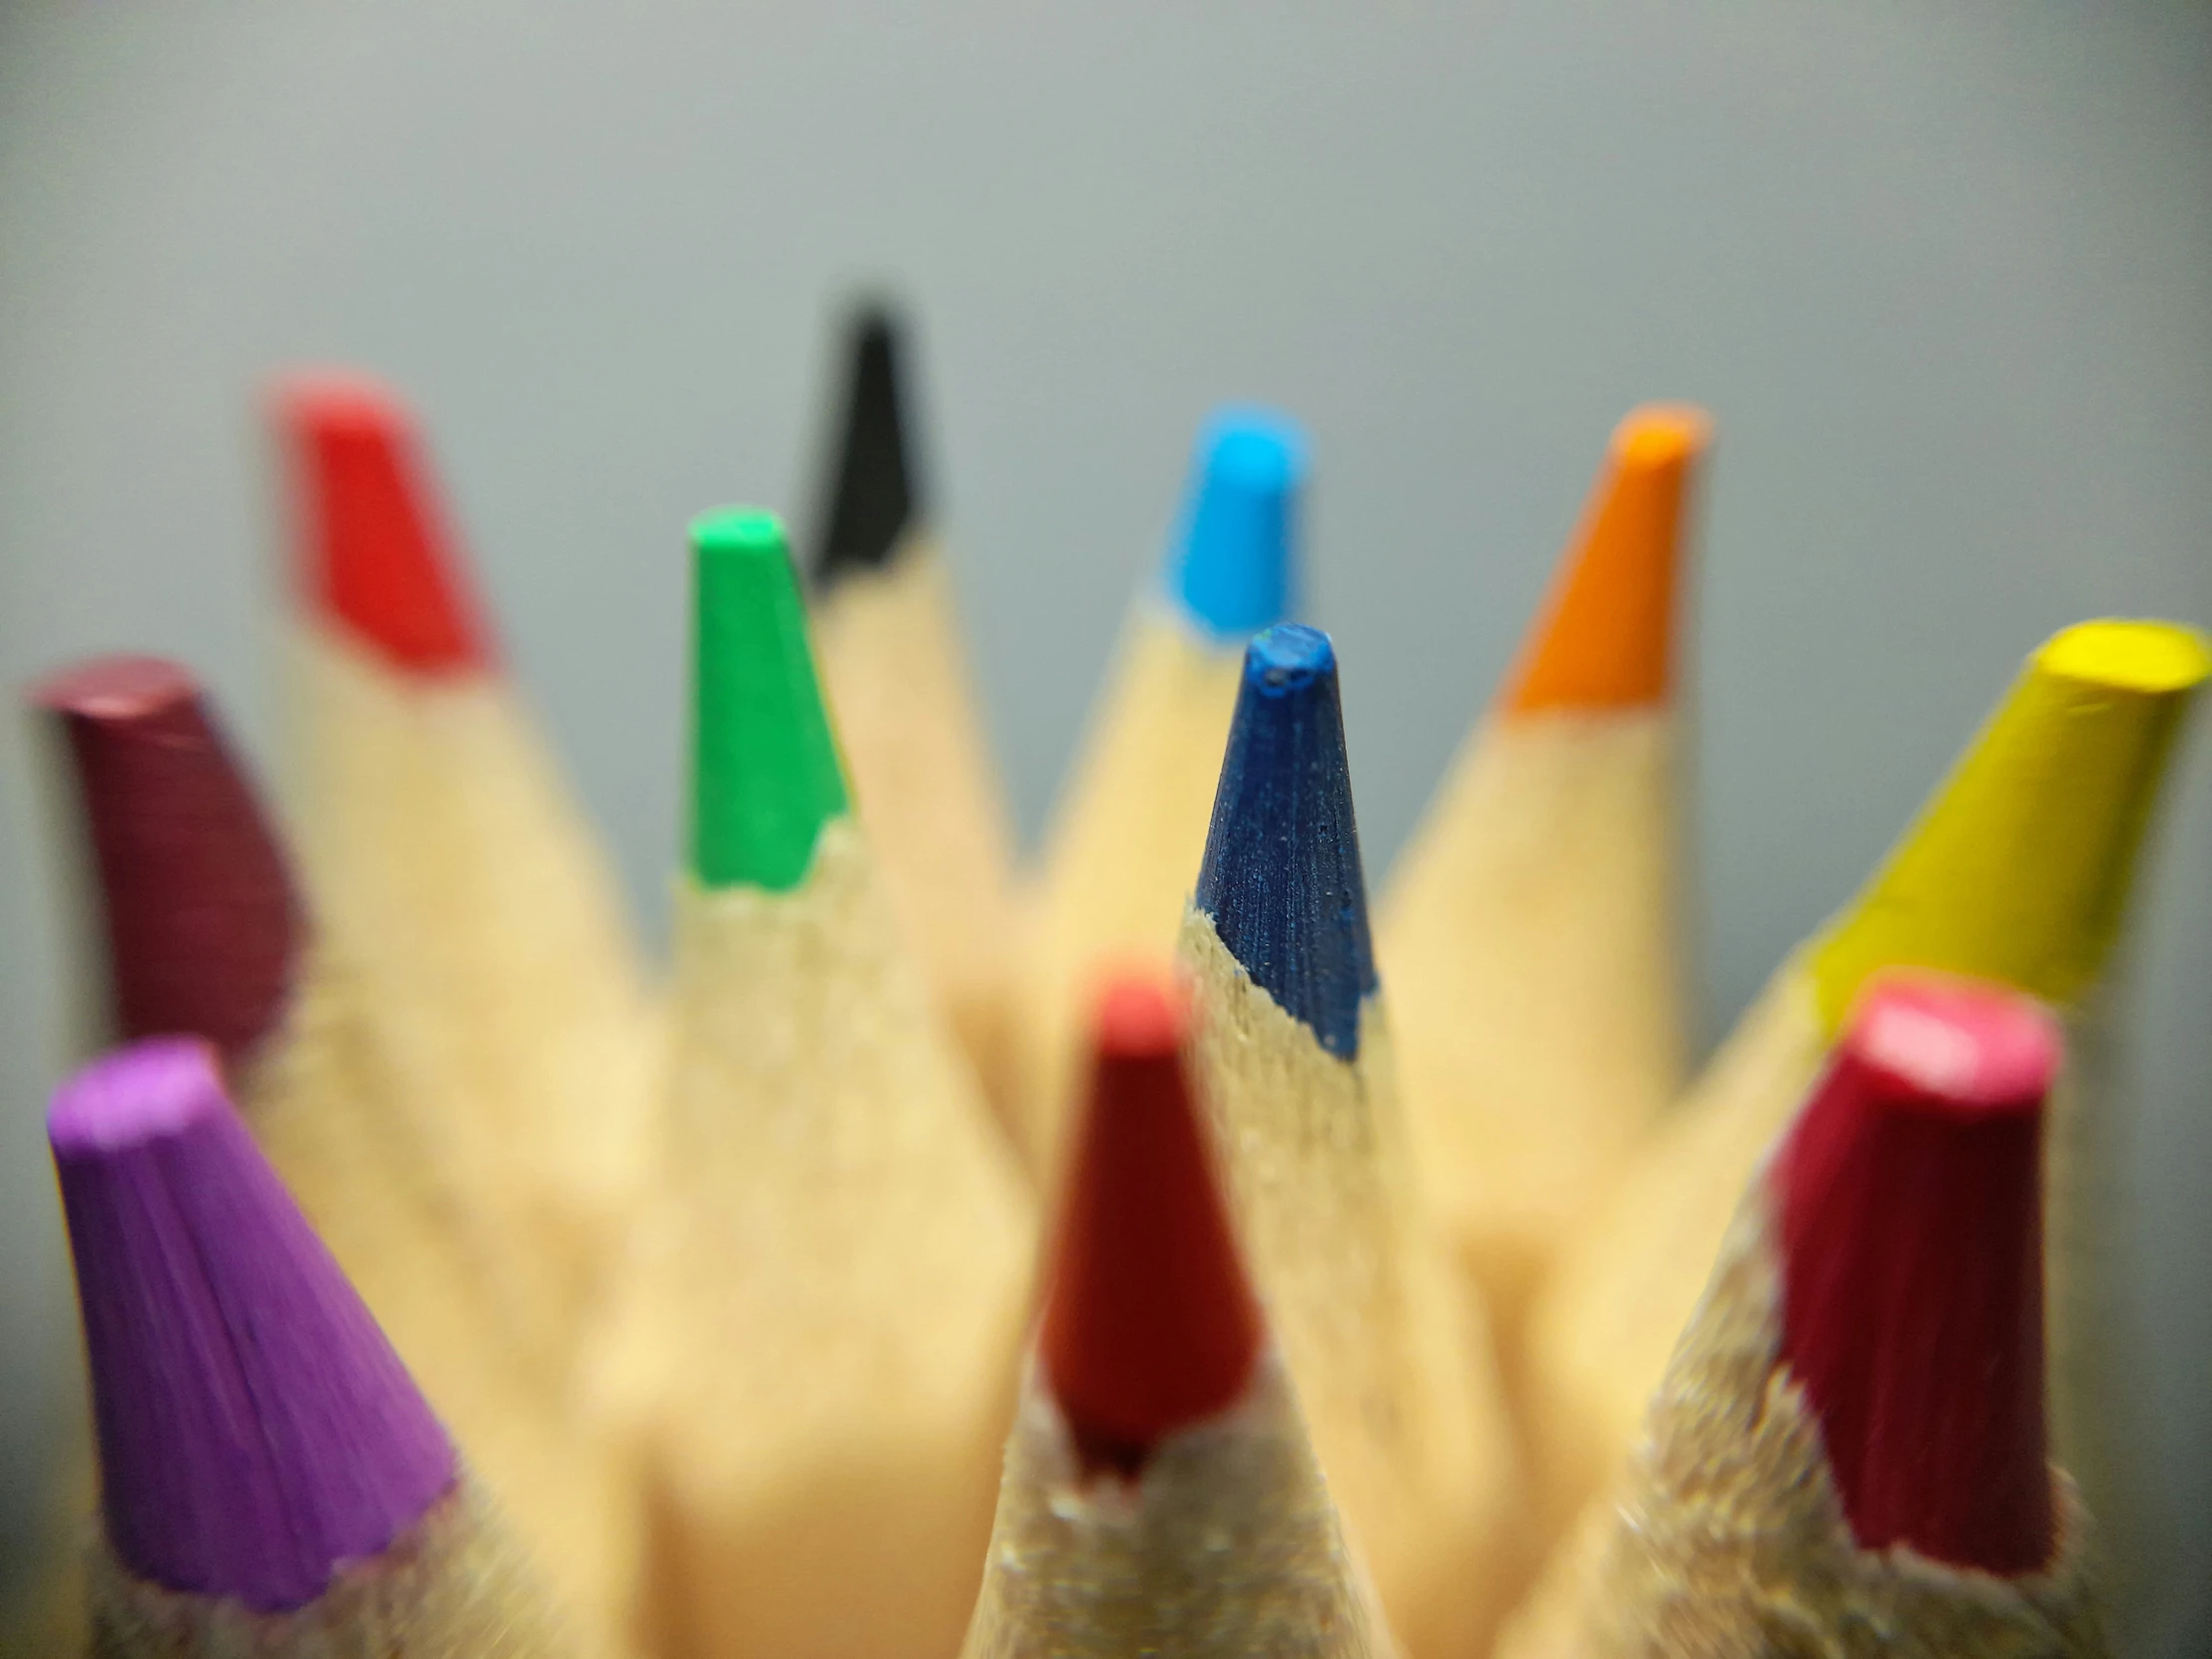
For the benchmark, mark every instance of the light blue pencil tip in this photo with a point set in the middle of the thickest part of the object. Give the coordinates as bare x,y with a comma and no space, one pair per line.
1233,563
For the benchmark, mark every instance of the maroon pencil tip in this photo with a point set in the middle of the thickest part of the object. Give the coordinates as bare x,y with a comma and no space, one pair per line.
1909,1198
200,921
1151,1323
256,1429
376,556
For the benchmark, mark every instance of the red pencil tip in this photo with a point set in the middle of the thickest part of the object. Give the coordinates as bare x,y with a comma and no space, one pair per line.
1910,1225
200,921
1151,1323
376,553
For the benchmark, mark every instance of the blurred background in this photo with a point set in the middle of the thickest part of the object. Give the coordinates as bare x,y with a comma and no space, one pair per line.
1943,274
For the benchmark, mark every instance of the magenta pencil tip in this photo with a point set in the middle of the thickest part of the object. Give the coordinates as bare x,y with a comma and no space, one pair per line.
256,1429
1911,1228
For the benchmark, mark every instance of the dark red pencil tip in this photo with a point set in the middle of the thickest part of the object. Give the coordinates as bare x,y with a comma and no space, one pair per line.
1151,1323
200,921
1909,1209
374,550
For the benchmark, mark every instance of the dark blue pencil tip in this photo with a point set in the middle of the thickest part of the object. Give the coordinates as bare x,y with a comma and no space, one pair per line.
1281,879
1233,564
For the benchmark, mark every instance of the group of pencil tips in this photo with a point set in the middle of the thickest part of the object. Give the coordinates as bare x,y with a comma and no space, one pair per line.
951,1256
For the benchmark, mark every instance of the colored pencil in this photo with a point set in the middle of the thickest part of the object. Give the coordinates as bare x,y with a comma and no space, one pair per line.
895,669
449,862
272,1482
1387,1346
1847,1453
1131,821
201,932
1531,932
2017,871
1160,1495
821,1339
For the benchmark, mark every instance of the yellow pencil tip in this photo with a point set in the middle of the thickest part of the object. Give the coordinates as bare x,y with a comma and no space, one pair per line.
2020,867
1605,638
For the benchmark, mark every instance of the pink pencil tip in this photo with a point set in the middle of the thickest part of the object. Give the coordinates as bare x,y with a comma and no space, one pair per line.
1151,1323
376,553
1910,1225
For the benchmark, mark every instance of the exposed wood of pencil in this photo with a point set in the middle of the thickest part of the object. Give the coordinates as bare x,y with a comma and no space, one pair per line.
451,866
272,1482
1124,842
1846,1448
372,1175
316,1078
829,1289
1388,1352
482,931
1530,931
913,737
1160,1496
455,1587
2020,871
1224,1543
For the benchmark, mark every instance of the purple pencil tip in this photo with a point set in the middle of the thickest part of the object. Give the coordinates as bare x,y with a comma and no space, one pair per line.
255,1428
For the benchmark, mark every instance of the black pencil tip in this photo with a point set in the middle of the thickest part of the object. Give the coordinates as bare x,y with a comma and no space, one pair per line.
872,495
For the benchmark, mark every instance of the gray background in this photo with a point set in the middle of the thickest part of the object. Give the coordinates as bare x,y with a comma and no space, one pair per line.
1944,272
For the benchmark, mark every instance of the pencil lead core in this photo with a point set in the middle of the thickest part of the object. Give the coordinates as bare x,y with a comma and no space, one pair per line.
376,556
874,497
1282,877
1910,1227
765,775
256,1430
1235,557
2020,868
201,926
1151,1323
1605,638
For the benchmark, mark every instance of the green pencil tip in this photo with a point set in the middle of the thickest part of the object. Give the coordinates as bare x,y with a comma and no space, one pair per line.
764,770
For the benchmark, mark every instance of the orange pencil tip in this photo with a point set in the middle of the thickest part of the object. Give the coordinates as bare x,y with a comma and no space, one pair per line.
1605,638
1150,1323
375,555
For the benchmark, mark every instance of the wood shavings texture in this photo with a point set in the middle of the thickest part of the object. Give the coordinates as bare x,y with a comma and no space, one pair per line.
1728,1540
1530,943
453,1587
913,740
830,1291
1384,1341
1226,1547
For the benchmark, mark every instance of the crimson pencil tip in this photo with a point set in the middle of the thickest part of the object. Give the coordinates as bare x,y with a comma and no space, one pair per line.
256,1429
1910,1226
1151,1323
202,927
375,554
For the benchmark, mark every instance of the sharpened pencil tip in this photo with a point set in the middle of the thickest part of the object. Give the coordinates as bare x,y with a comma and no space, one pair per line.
1151,1323
1605,638
1910,1228
1233,564
375,554
765,775
873,494
256,1430
1282,877
202,924
2020,867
